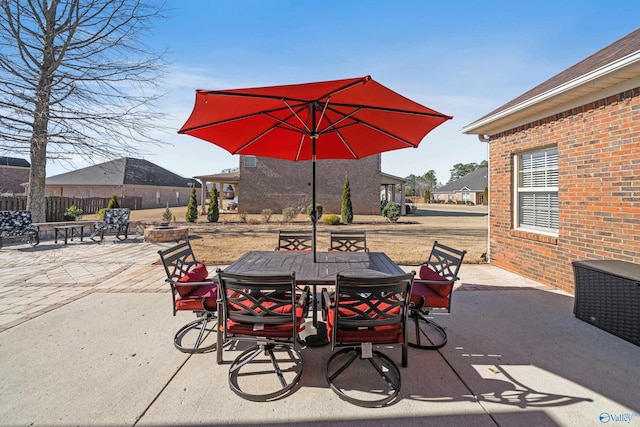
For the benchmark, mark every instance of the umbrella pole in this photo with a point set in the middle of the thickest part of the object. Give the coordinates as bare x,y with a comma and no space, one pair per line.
314,218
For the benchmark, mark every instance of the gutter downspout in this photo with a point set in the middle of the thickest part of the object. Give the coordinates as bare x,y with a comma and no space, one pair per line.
487,139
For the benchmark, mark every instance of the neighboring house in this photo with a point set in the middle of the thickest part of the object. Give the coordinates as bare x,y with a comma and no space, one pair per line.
564,168
125,177
466,189
14,172
266,183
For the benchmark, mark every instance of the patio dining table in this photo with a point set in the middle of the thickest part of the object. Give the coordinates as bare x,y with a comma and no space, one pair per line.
322,272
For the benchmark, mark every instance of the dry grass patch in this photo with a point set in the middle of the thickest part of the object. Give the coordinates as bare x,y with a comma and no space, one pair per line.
406,242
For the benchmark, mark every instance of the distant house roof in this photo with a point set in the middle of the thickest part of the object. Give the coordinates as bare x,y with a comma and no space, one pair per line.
616,63
124,171
13,161
474,181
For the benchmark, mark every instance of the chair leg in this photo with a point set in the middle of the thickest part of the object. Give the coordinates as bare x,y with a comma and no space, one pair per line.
386,369
199,326
422,323
250,368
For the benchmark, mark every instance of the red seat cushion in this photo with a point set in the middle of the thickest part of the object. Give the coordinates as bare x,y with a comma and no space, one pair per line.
375,334
426,273
203,296
431,297
282,330
198,273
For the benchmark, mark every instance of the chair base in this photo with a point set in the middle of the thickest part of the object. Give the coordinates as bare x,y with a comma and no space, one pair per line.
384,366
421,322
197,326
257,379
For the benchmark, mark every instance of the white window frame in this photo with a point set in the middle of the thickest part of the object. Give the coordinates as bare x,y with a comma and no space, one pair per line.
250,161
538,178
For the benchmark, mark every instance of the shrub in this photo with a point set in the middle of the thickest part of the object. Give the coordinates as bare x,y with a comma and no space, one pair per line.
167,215
213,213
318,210
242,216
266,215
72,213
391,211
100,213
288,214
113,202
331,219
253,221
192,207
346,211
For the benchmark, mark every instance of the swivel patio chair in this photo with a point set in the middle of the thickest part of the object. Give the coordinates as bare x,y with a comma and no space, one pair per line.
348,241
433,289
367,311
191,290
114,219
268,311
294,241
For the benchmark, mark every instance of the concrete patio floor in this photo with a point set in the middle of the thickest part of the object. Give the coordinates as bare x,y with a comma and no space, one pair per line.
86,338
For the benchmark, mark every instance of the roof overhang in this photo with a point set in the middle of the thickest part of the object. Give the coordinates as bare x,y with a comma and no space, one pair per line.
386,179
620,74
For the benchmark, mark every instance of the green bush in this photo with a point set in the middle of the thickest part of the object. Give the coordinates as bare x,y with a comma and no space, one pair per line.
213,213
113,202
288,214
192,207
318,210
331,219
72,213
391,211
266,215
167,215
346,211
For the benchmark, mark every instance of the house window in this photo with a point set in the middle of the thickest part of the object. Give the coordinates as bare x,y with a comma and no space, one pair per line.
536,188
157,197
90,194
249,161
177,197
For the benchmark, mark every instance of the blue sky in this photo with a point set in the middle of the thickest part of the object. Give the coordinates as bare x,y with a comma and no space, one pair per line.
462,58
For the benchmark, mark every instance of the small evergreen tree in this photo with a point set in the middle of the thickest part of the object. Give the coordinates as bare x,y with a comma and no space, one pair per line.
192,207
166,215
486,195
347,210
113,202
426,196
213,214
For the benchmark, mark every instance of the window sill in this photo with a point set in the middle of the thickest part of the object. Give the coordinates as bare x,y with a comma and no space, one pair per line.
530,235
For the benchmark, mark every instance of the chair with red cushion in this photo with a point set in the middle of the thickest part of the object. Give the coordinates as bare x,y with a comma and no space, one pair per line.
433,289
267,311
191,290
362,313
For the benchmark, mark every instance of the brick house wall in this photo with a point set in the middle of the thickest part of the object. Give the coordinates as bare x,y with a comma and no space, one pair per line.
10,179
598,190
149,194
277,184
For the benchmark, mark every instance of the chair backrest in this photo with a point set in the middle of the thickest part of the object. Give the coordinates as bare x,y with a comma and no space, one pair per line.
178,260
362,303
294,241
445,260
116,217
260,300
348,241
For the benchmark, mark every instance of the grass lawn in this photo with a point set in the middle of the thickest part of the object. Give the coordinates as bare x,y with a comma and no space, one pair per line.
407,241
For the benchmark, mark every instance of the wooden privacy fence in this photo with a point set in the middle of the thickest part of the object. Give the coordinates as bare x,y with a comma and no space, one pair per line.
56,206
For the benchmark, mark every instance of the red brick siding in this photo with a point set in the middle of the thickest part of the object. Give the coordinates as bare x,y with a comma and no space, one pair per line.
277,184
598,190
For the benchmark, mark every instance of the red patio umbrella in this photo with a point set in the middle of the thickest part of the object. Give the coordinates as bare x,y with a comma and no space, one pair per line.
338,119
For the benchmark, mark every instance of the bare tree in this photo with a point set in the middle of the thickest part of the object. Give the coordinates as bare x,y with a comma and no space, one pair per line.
75,80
